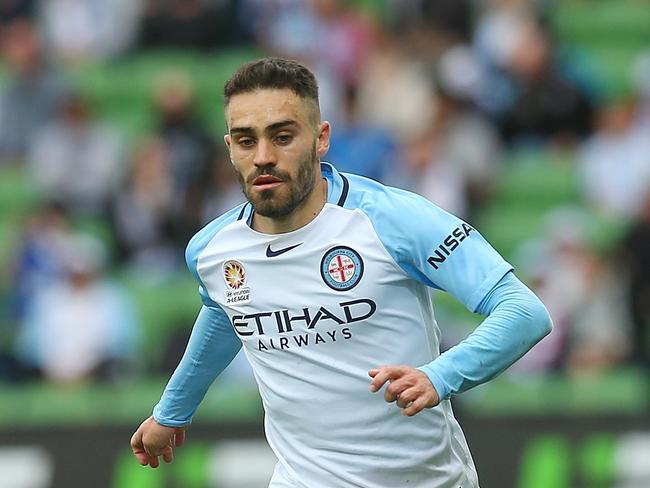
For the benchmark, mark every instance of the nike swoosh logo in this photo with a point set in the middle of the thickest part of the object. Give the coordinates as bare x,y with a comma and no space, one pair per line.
270,253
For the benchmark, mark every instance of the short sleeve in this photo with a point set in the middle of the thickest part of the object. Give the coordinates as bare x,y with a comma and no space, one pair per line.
435,247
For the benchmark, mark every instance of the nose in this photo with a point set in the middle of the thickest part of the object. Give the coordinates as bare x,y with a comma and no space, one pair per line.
265,154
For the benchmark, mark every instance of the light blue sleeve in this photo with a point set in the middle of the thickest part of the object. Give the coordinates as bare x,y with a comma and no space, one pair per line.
516,321
429,244
444,252
212,346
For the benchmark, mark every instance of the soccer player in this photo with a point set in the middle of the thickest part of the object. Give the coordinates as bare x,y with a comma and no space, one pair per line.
326,280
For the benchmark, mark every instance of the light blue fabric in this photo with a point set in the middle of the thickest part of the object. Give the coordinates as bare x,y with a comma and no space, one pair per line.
198,243
212,346
443,252
429,244
516,321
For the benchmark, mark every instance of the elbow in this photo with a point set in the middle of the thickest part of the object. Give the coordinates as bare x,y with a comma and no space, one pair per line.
540,321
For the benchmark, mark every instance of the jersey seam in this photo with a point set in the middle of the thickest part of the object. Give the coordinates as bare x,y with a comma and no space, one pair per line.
425,288
488,283
381,243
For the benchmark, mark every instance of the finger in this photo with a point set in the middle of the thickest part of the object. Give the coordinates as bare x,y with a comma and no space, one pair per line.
154,462
168,454
142,457
179,437
407,396
415,407
384,374
138,450
373,372
394,390
136,441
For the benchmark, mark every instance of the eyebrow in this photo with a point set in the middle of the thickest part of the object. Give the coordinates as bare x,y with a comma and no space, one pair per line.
268,129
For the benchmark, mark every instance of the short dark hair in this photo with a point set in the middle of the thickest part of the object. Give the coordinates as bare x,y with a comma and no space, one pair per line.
272,73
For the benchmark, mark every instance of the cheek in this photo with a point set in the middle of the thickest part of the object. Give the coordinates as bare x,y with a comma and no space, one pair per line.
241,159
240,169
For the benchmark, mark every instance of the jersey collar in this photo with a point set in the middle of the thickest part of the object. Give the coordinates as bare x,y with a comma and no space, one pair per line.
337,184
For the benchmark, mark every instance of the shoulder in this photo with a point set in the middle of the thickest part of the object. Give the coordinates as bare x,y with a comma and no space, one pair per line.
392,208
203,237
409,226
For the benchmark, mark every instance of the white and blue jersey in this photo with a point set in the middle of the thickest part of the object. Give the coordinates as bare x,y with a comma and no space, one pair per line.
317,308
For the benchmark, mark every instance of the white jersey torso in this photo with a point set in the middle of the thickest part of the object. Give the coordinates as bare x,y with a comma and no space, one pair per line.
315,310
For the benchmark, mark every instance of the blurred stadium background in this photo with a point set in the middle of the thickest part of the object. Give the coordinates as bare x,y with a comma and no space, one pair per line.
530,119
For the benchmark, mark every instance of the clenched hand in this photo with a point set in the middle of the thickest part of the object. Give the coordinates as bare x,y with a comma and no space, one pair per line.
409,387
152,440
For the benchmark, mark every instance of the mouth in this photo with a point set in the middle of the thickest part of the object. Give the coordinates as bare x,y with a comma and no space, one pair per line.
266,182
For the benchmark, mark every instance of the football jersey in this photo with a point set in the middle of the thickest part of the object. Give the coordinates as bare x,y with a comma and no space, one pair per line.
315,309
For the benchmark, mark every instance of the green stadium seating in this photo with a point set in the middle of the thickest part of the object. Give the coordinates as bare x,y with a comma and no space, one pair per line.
613,31
531,183
121,90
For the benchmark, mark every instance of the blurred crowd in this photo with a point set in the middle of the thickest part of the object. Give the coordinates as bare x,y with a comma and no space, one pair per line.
429,95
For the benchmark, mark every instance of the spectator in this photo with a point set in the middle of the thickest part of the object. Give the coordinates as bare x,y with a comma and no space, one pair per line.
361,147
193,24
455,161
341,36
467,138
39,259
77,160
394,92
143,210
82,30
224,191
34,92
422,168
546,106
584,297
191,150
615,162
430,27
497,25
83,327
11,10
635,250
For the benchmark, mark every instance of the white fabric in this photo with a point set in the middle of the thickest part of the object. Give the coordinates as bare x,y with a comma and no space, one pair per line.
329,430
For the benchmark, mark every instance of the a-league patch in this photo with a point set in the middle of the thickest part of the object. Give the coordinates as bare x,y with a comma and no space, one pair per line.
235,277
341,268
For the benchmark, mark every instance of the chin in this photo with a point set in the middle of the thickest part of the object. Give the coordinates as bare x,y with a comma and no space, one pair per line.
272,211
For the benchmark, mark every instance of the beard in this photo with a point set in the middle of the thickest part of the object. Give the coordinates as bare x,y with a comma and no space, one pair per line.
294,191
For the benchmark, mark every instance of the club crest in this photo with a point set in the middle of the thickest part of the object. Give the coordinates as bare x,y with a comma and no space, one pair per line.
341,268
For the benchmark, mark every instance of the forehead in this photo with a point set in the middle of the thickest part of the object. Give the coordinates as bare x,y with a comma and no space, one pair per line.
263,107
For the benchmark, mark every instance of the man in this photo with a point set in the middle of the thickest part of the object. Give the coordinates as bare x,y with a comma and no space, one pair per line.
326,278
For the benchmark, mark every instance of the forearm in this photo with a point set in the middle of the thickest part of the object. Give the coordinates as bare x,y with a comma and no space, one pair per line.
516,320
212,346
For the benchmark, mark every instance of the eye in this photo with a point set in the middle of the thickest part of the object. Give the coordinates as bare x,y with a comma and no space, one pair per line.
246,142
284,139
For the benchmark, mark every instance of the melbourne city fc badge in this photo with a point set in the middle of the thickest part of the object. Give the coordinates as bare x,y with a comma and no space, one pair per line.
341,268
235,276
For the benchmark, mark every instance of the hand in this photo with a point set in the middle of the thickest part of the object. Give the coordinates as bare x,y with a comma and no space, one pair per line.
152,440
410,387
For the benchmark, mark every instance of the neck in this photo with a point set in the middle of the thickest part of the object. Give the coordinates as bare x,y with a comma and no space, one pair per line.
301,216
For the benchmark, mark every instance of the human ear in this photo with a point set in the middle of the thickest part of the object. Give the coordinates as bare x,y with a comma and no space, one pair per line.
323,142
